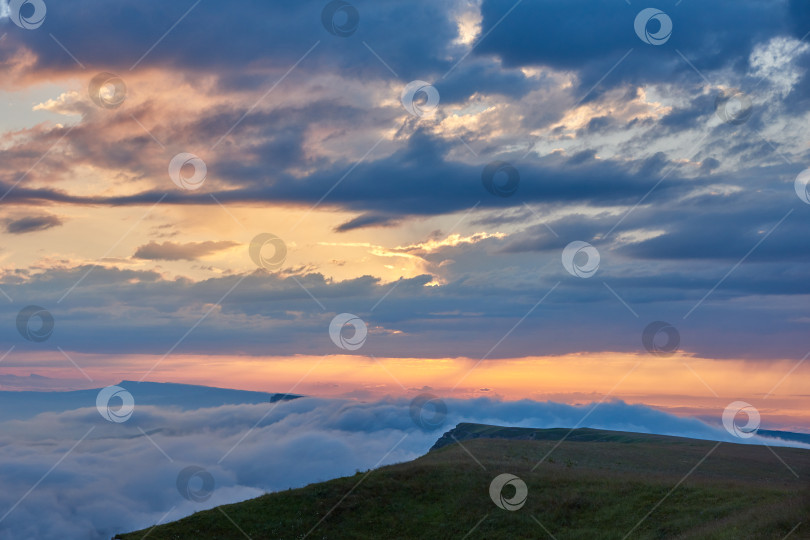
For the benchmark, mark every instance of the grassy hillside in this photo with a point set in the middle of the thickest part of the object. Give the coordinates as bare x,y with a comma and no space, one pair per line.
596,484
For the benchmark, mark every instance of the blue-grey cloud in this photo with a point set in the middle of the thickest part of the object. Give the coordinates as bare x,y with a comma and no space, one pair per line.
591,38
672,198
173,251
367,220
464,317
32,224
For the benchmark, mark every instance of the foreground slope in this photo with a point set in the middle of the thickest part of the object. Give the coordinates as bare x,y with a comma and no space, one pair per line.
593,484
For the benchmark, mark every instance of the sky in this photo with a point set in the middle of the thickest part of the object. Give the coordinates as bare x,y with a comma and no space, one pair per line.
545,214
571,201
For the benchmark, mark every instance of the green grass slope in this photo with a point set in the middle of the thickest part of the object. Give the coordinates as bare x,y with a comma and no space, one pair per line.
595,484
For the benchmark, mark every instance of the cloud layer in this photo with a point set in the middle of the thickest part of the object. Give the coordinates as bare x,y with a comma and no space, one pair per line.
122,476
612,141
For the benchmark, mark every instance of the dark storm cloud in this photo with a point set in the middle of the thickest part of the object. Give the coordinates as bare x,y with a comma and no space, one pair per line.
225,36
415,39
419,180
591,37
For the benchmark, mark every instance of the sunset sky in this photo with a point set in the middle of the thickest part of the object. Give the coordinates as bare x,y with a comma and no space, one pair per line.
676,162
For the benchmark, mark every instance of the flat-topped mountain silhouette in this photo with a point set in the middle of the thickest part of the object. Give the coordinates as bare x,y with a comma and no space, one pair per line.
21,405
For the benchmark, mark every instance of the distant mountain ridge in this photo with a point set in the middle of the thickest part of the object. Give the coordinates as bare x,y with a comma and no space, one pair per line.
468,431
21,405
